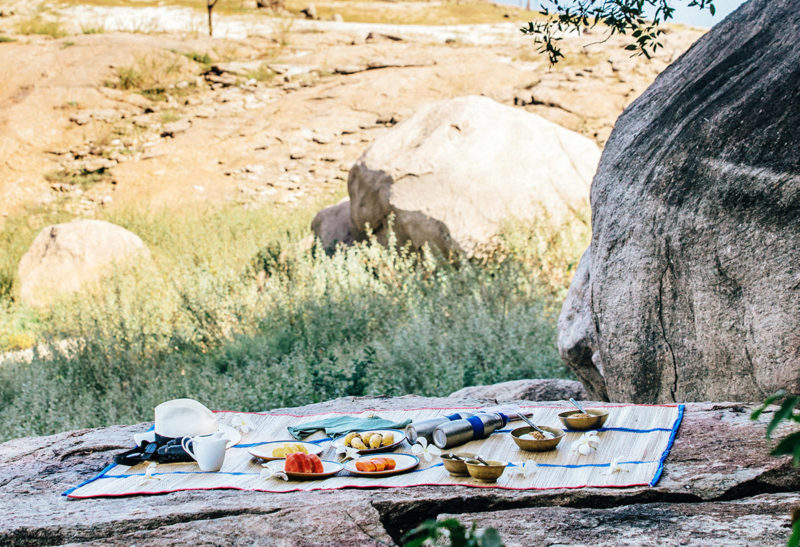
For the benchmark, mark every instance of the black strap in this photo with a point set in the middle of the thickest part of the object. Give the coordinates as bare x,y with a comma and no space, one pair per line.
141,453
163,450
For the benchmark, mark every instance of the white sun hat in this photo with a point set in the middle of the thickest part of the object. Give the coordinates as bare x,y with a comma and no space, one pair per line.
184,418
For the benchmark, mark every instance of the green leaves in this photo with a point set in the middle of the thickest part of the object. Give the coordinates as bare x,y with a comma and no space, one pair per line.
789,445
771,399
794,539
641,19
453,533
786,412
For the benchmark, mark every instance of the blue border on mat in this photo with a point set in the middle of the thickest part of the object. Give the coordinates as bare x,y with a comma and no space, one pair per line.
102,475
664,455
656,477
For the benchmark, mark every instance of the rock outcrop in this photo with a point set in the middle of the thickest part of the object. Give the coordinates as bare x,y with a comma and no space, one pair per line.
332,225
525,390
455,171
691,290
65,257
719,486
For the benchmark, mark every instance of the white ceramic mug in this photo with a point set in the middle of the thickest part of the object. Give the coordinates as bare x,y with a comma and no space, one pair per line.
207,450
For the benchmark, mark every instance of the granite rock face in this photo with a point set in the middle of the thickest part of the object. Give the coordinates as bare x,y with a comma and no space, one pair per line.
719,487
691,290
453,173
525,390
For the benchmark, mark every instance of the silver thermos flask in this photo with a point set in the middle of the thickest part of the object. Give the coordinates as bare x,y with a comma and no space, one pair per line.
424,428
457,432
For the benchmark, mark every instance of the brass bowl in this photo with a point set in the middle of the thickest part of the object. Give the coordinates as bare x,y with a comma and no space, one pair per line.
595,421
537,445
457,468
488,473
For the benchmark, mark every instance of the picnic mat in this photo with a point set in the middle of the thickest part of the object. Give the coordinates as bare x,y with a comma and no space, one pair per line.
638,437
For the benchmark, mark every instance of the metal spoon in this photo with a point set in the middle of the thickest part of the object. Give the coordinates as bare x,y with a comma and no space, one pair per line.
577,405
547,434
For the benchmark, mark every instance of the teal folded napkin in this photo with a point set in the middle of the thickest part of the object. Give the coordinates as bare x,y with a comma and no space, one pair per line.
342,425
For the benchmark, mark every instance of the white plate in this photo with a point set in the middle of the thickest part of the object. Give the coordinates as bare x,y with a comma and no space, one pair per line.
404,462
233,434
399,436
329,469
264,451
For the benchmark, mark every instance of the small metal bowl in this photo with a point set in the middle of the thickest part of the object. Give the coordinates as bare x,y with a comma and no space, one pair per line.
537,445
595,420
457,468
488,473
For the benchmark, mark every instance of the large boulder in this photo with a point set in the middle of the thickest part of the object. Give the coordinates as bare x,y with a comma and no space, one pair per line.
455,171
692,287
65,257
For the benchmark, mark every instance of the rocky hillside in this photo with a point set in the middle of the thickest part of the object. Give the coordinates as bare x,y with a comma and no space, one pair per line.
273,110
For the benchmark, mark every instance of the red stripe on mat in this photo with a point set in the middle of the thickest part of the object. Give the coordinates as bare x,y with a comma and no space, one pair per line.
429,408
354,486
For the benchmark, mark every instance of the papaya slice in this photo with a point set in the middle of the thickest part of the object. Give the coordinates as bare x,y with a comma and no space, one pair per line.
379,465
365,465
388,463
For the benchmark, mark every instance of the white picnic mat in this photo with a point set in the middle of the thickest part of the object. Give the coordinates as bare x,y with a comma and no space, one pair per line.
638,437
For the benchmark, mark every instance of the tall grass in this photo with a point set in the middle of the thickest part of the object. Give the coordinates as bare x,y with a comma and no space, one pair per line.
237,311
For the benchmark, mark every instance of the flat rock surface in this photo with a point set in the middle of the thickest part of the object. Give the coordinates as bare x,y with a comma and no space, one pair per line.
719,480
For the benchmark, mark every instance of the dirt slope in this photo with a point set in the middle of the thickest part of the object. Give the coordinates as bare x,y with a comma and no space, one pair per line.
280,117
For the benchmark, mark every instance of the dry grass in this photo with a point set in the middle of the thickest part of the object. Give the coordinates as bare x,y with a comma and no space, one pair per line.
154,73
417,12
39,24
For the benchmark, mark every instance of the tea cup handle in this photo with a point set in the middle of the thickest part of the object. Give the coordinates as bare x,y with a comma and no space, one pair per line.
185,446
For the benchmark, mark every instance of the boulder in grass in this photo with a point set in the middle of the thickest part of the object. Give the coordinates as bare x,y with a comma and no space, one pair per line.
691,290
65,257
332,225
453,173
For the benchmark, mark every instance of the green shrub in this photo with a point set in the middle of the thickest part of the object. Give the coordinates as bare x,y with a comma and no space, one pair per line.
450,532
236,313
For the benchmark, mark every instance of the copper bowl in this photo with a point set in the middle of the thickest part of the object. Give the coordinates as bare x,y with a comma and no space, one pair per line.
595,419
488,473
537,445
457,468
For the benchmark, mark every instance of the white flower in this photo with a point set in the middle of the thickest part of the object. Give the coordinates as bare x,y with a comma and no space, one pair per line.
270,472
587,444
349,452
526,469
615,467
423,450
148,473
243,423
